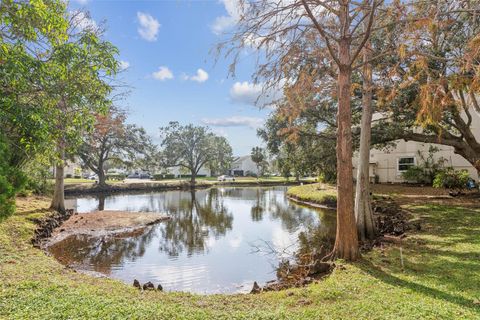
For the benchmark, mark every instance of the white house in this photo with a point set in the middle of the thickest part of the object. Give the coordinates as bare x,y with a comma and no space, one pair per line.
71,169
388,166
178,171
241,166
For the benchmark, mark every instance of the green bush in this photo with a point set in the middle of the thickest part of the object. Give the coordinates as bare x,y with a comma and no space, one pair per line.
185,176
159,176
116,176
452,179
427,169
38,180
418,174
12,180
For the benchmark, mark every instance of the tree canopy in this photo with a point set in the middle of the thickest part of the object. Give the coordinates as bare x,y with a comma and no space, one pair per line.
112,140
192,148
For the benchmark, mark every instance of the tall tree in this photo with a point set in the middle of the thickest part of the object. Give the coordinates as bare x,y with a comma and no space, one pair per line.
337,24
303,139
363,206
28,30
223,156
189,147
431,84
81,86
112,140
258,157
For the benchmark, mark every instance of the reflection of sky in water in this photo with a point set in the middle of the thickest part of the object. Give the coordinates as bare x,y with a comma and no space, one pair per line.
211,243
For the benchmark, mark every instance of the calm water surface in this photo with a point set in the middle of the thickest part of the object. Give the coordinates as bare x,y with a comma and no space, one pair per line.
218,240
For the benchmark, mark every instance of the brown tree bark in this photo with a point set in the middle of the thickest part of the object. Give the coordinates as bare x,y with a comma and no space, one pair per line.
102,178
58,200
346,242
363,207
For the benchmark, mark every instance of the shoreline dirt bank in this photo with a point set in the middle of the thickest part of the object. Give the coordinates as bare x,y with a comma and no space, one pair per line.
102,223
92,189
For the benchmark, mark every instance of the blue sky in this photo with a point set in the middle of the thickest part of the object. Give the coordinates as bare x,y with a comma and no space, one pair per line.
165,48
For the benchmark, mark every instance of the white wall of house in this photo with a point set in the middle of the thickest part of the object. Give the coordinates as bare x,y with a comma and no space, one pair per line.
177,171
389,164
243,164
71,169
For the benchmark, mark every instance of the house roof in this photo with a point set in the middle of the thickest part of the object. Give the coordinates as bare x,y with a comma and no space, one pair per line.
241,159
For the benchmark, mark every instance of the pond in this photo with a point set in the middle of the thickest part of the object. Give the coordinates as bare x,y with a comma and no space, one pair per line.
218,240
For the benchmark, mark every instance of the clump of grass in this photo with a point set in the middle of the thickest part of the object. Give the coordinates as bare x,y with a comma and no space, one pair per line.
318,193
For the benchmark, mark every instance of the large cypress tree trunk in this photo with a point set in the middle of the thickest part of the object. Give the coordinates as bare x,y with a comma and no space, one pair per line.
363,207
58,200
346,242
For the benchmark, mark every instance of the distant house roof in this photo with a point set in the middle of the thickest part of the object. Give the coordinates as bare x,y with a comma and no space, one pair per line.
241,159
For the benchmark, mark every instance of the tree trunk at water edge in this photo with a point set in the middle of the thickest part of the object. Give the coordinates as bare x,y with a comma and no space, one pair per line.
58,200
363,206
346,241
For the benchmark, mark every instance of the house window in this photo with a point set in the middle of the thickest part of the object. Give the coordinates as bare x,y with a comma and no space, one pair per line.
405,163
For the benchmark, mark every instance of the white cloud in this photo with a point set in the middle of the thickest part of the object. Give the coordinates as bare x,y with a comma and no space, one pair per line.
235,121
83,21
200,77
255,93
123,64
163,74
245,92
149,26
223,23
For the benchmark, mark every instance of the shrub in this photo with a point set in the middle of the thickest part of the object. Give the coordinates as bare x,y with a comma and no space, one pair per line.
185,176
427,169
38,179
452,179
418,174
12,181
116,176
160,176
251,174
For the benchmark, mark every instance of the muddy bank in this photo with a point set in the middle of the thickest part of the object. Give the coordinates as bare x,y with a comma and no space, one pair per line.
47,225
102,223
330,205
392,223
92,189
86,189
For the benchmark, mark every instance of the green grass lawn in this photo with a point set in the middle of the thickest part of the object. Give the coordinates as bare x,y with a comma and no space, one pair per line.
319,193
440,280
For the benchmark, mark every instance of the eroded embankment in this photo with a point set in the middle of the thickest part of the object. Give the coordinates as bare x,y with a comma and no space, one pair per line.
92,189
102,223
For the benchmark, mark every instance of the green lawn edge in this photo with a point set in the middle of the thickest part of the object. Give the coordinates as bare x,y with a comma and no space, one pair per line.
440,280
317,193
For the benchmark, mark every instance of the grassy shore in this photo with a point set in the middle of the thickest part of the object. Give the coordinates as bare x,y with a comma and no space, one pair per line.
439,279
238,180
318,193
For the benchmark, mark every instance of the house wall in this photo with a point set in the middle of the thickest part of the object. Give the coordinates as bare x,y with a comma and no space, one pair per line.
385,163
176,171
70,169
245,164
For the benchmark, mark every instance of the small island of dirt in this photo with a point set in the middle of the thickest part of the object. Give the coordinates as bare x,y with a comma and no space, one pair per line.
100,223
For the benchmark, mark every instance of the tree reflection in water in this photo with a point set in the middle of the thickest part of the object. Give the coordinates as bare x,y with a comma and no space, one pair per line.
194,222
101,253
199,219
